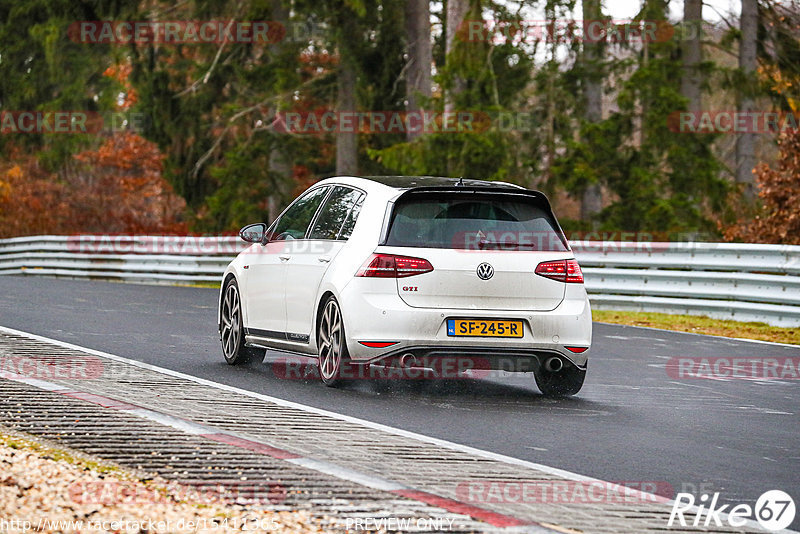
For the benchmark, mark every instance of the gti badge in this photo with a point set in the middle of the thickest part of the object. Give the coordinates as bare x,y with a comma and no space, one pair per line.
485,271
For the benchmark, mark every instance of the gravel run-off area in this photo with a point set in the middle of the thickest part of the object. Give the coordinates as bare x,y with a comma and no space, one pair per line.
48,489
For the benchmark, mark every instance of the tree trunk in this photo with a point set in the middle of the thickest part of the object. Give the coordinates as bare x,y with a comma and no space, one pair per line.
456,11
420,55
592,200
691,82
279,170
346,141
272,209
746,142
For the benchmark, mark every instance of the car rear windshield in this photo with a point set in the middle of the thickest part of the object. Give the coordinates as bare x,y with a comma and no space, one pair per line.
473,221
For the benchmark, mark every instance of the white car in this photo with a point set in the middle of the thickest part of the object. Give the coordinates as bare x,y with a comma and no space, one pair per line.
399,271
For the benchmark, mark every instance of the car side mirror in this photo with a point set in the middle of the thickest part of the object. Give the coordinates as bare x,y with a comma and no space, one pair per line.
254,233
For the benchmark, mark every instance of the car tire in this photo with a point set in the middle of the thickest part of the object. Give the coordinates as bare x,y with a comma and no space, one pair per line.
333,358
563,383
232,329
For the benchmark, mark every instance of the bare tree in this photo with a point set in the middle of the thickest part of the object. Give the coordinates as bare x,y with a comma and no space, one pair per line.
420,55
456,11
691,82
279,169
346,97
745,143
346,141
592,200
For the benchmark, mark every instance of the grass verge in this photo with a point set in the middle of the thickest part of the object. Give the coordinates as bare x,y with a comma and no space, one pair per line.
701,325
211,285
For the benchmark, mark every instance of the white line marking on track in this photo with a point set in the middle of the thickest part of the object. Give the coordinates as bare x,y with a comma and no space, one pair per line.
348,474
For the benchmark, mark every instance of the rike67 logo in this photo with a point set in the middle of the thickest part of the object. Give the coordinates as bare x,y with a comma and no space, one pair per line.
774,510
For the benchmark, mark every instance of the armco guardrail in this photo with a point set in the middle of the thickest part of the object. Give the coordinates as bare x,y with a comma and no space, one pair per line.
746,282
129,258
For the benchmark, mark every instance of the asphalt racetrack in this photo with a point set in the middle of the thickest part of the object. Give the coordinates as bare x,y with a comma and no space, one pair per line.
631,422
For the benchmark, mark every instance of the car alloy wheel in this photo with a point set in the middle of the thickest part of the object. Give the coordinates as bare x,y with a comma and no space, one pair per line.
333,356
232,330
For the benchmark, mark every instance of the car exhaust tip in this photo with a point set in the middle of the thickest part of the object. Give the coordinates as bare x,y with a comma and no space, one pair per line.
553,364
408,360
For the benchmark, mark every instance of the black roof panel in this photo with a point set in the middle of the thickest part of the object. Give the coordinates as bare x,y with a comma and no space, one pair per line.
408,182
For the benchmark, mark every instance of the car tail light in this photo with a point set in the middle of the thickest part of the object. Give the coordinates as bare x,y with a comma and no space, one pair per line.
391,266
562,270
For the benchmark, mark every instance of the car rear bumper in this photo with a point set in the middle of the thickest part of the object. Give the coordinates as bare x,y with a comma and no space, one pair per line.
513,360
373,312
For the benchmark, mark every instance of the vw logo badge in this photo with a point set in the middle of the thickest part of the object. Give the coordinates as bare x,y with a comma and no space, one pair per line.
485,271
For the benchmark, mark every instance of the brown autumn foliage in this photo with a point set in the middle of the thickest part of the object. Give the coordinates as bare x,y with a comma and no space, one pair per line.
123,190
117,188
32,201
779,191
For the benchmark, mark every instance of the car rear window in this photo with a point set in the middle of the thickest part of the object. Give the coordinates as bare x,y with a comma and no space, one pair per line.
473,221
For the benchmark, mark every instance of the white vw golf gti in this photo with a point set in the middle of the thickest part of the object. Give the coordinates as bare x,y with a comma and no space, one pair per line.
406,272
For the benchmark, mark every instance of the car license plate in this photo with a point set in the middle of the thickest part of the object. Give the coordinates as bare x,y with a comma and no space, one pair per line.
484,328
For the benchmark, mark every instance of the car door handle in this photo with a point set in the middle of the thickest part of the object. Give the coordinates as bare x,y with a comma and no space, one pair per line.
324,259
284,257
